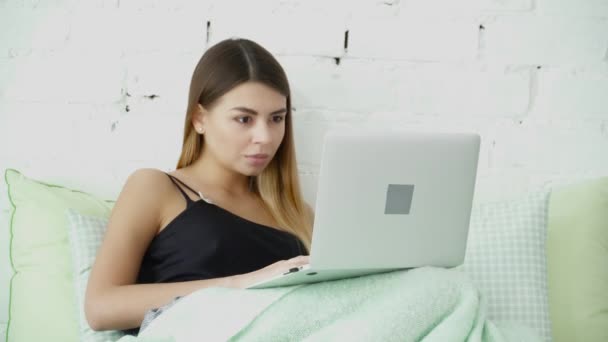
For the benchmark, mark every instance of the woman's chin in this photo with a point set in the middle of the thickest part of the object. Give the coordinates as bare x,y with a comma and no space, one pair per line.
252,171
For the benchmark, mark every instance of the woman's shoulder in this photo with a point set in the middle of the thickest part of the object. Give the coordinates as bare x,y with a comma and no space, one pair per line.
148,176
153,183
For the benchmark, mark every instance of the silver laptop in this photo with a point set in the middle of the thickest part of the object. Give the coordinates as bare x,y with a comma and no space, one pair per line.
389,200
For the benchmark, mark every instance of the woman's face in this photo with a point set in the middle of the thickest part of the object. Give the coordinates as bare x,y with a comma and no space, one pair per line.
245,127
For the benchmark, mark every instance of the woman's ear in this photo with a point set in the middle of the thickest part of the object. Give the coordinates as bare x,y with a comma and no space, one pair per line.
199,118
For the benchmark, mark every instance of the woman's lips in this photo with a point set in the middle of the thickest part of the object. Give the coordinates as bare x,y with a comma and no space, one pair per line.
257,159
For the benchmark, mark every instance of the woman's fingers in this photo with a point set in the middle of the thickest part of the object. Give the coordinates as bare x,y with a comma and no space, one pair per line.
285,265
299,260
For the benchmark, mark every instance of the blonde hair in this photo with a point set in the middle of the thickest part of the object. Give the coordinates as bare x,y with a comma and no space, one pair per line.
221,68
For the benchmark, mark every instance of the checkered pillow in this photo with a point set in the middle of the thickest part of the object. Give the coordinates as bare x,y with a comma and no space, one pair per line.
506,260
85,235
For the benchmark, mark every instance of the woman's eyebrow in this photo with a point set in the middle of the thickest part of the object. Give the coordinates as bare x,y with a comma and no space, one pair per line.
253,112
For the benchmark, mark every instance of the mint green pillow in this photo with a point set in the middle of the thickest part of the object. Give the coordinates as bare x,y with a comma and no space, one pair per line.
42,302
506,260
85,235
577,252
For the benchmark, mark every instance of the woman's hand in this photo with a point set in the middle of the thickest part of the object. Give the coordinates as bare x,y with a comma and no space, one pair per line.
245,280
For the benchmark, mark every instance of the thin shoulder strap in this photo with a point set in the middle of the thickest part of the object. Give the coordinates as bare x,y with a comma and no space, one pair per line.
175,181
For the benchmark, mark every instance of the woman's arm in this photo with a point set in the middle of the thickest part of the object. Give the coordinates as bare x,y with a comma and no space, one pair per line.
113,300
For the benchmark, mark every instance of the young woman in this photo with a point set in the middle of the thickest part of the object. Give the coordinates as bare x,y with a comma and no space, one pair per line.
230,215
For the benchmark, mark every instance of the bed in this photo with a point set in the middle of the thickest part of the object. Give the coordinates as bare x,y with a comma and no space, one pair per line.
539,260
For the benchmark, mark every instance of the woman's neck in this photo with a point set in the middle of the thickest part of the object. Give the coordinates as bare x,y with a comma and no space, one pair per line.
210,174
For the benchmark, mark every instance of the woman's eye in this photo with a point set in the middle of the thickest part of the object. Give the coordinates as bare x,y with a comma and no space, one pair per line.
243,119
277,119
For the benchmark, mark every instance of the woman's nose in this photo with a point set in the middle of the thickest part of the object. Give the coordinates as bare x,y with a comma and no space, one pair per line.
262,133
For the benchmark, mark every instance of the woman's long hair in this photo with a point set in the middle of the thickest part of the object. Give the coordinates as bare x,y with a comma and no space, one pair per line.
221,68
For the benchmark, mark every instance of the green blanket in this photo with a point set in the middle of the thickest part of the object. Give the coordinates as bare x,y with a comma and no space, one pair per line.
423,304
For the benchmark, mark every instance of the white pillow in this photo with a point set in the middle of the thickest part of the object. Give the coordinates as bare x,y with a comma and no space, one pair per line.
506,260
85,235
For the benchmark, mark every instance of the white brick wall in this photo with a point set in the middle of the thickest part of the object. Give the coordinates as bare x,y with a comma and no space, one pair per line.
69,70
531,76
539,39
587,8
413,37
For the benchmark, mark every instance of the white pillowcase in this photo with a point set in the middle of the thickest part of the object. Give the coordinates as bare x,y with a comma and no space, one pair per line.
506,260
85,235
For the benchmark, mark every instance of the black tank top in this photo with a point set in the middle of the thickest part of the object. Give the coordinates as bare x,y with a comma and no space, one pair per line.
206,241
